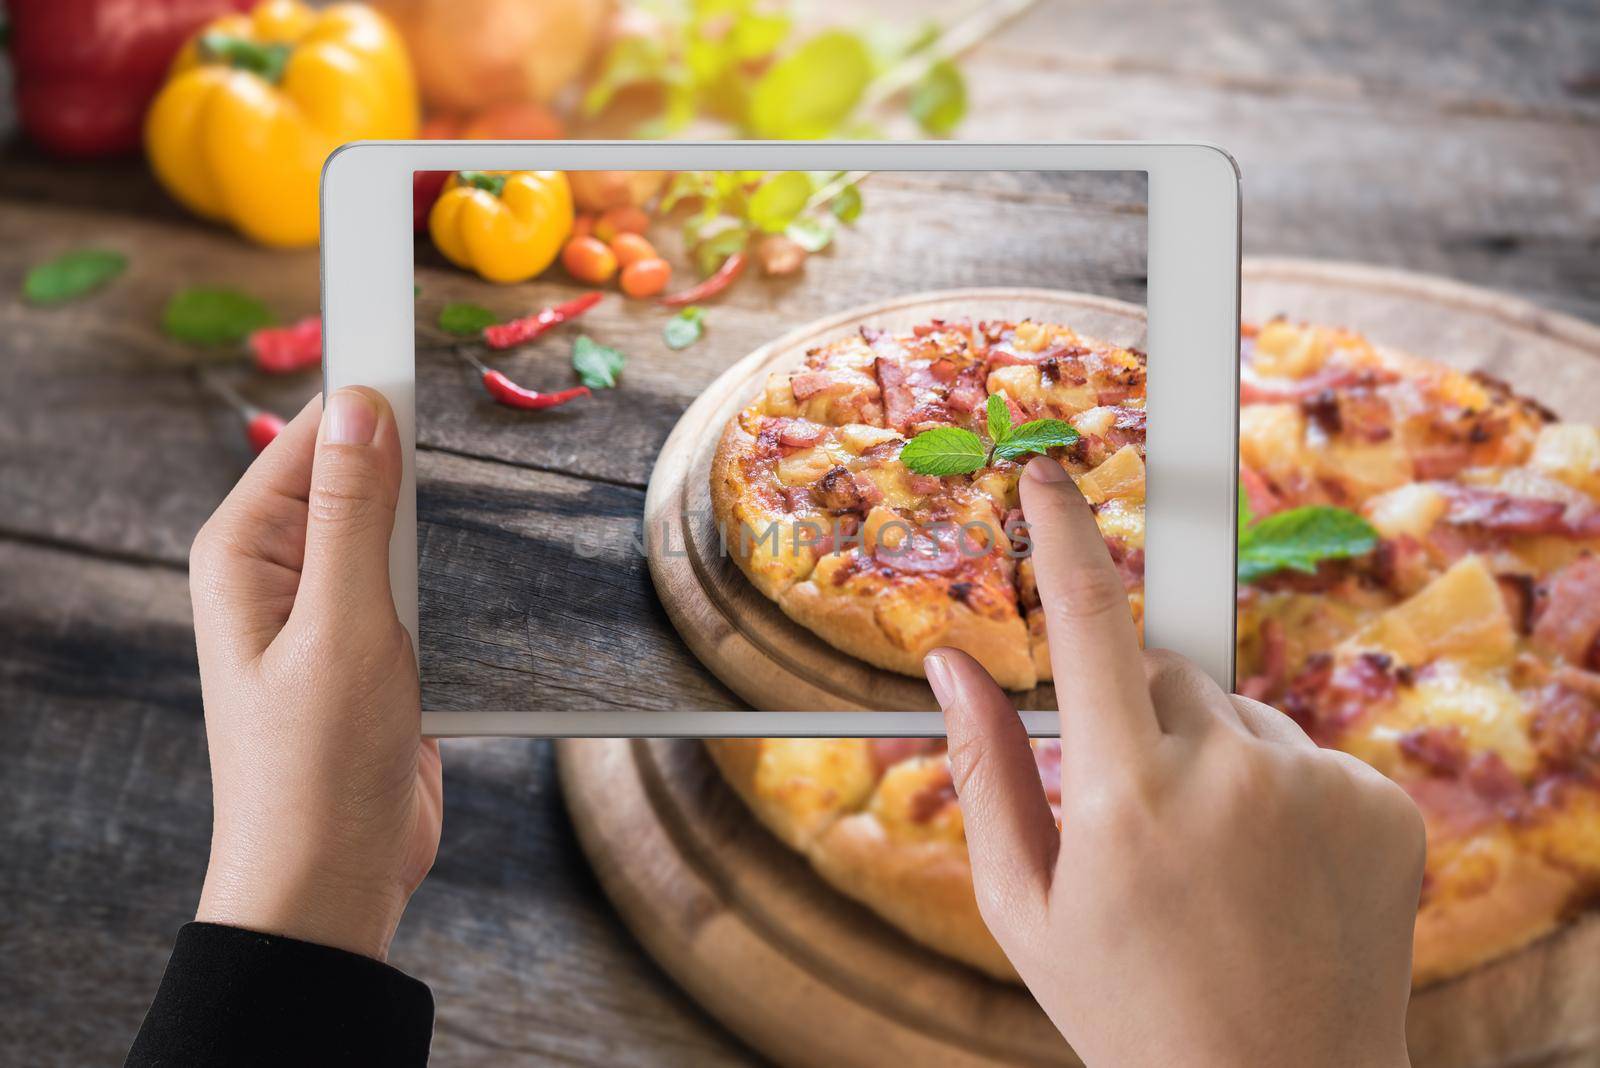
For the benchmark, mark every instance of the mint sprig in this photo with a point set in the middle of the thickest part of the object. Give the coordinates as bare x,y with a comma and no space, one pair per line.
953,450
1298,539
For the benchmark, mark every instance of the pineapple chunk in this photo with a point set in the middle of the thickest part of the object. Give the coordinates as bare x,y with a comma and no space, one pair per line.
858,437
1284,350
1365,468
1570,452
804,467
779,397
1272,440
883,528
1411,509
1121,475
1459,614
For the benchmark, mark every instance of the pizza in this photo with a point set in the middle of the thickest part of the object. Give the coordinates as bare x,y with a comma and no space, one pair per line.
1459,653
886,564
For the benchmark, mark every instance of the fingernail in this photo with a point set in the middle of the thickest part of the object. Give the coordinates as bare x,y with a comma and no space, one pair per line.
349,419
939,677
1044,469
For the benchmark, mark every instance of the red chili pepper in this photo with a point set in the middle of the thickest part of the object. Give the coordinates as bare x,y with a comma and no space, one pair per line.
731,268
521,331
280,350
507,392
260,425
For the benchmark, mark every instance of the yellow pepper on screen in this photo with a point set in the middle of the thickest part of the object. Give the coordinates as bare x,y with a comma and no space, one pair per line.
505,225
255,103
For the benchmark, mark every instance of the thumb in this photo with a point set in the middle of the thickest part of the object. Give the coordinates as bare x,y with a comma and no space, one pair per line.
355,481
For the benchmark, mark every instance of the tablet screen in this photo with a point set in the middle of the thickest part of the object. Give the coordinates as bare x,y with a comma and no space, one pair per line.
718,440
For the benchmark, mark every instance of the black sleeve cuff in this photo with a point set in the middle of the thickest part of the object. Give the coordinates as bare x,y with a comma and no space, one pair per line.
231,996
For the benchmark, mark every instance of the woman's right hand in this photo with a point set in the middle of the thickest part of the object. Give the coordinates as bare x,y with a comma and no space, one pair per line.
1221,891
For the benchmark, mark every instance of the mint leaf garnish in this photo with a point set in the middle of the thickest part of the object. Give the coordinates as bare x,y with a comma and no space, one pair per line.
945,450
685,328
597,365
72,275
1299,539
207,315
465,319
1041,435
999,418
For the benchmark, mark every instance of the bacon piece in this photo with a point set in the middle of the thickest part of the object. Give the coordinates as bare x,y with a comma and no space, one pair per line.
1565,724
967,393
943,370
810,383
842,491
800,433
1441,461
925,485
897,399
1441,750
927,552
935,796
1260,496
1568,622
1517,592
1257,390
1117,394
1453,810
1495,510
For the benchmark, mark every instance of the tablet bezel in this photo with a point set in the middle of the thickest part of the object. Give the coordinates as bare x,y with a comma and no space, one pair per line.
1192,303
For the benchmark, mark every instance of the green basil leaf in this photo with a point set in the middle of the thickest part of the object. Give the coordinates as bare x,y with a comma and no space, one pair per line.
1301,538
811,91
72,275
597,365
939,102
813,235
465,319
999,419
1041,435
779,200
210,315
685,328
945,450
710,253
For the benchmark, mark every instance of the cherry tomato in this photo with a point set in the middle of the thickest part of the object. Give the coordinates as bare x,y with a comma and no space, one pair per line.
589,260
647,277
625,220
631,248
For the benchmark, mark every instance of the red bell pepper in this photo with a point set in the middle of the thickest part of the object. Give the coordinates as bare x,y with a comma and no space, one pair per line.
87,69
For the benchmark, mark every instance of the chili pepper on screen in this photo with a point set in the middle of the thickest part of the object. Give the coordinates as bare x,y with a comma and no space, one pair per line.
731,268
87,69
521,331
508,393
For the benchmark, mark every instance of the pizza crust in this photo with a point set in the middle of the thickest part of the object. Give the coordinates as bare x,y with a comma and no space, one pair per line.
850,624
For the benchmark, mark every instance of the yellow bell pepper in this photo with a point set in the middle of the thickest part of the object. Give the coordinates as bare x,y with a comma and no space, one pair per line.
255,103
505,225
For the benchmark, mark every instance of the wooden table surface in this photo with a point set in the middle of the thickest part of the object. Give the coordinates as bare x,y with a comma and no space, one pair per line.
1459,138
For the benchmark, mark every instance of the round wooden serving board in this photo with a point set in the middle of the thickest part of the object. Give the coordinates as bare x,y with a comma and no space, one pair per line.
811,979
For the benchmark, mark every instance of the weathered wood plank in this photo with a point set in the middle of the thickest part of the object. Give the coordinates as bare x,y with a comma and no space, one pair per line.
535,595
106,819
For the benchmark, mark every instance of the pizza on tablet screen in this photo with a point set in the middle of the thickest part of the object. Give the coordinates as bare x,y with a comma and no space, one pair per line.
744,445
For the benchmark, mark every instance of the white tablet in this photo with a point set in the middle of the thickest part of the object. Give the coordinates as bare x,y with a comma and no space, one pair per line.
726,533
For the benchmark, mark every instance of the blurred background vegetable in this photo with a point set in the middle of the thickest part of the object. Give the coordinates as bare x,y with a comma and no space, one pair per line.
257,102
87,69
471,54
